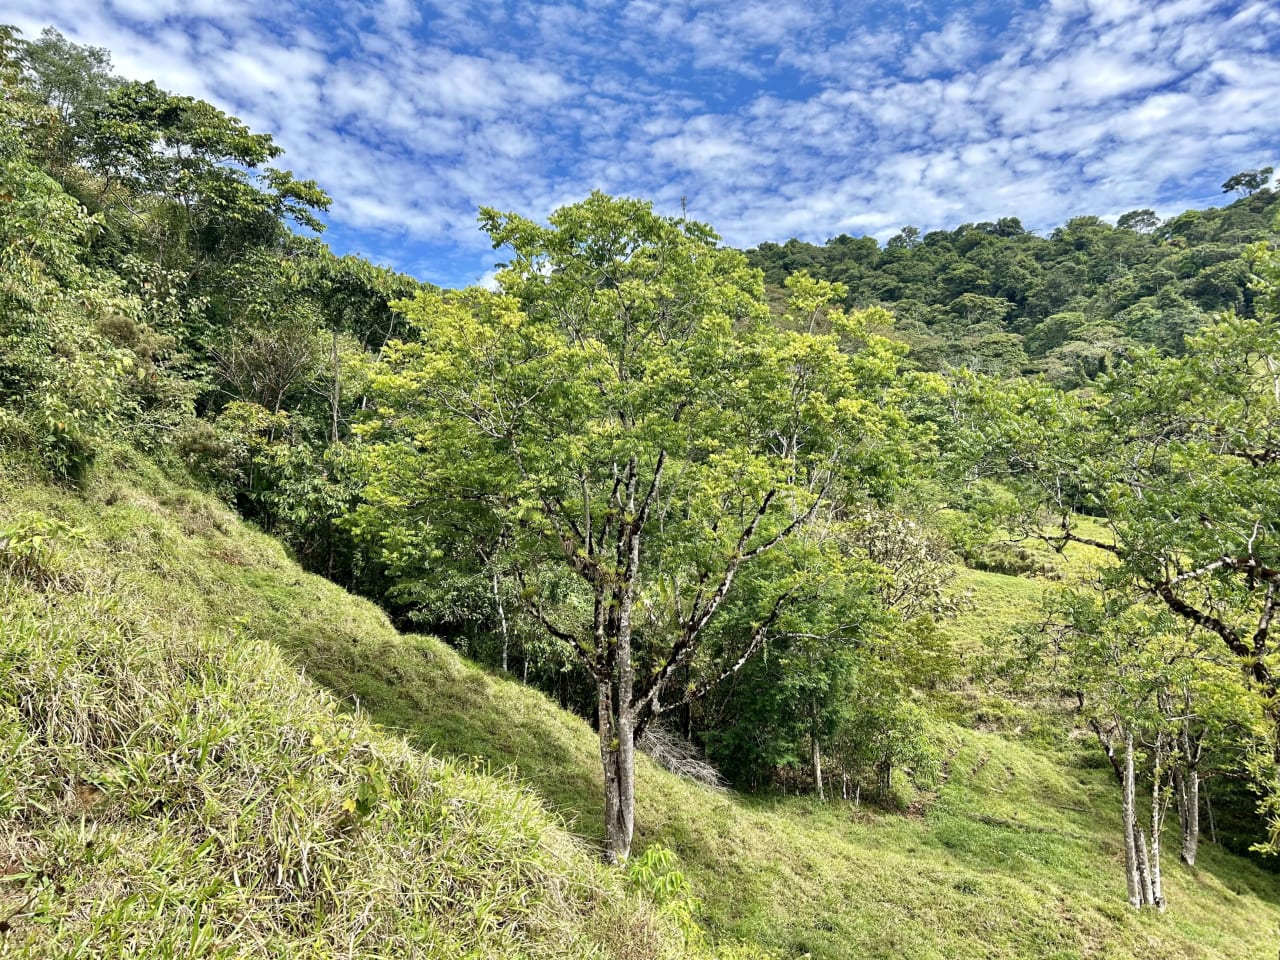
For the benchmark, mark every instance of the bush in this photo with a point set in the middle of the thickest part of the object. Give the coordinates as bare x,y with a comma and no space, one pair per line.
29,547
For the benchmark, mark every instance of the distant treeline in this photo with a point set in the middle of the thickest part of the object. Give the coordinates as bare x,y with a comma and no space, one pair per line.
999,299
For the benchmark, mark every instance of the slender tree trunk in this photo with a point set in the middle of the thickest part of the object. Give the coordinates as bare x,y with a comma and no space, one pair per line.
335,398
686,714
1208,807
1108,747
1186,792
817,767
502,621
1144,868
1188,786
1132,871
1159,801
1184,769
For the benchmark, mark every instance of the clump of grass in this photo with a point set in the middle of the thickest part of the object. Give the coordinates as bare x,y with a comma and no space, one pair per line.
29,546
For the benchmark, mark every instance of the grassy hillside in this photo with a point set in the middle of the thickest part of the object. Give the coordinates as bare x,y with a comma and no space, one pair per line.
174,787
218,779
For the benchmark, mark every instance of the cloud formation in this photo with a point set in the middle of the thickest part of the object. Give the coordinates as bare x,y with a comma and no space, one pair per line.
773,118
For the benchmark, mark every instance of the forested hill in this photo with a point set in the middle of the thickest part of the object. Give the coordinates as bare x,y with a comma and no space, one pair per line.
998,298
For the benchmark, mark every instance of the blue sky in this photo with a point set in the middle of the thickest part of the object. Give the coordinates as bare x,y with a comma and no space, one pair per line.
774,118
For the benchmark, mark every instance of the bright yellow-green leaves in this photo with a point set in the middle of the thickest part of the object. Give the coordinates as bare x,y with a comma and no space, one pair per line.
629,372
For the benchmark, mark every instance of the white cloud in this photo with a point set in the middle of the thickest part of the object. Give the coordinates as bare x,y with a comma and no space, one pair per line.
772,117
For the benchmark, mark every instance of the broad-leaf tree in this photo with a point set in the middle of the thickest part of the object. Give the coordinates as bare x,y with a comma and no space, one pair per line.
626,412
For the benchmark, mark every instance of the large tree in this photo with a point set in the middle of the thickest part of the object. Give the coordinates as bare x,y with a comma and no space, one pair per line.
627,419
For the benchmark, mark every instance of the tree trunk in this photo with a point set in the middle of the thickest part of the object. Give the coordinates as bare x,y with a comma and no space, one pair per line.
335,399
1208,808
1144,869
1108,747
617,756
817,767
1132,873
1186,793
619,753
1159,803
502,621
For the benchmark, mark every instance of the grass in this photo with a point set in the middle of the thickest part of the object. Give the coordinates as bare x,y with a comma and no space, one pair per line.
1016,854
174,787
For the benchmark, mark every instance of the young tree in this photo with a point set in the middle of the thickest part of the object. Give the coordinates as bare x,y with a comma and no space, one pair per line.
833,691
626,412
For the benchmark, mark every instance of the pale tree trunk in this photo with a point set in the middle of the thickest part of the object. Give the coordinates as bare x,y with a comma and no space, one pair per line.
1159,807
884,777
817,767
1186,792
502,621
1187,785
335,399
1208,808
1144,869
1143,878
1132,871
1184,768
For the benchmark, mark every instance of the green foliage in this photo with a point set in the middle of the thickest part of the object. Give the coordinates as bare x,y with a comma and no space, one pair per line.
1177,457
29,547
75,82
626,420
656,873
1248,181
61,380
842,665
995,299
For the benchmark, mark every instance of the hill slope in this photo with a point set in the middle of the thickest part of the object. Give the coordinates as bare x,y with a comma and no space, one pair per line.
173,787
1016,855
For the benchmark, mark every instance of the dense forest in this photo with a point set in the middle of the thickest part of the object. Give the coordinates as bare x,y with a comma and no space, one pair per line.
999,299
722,505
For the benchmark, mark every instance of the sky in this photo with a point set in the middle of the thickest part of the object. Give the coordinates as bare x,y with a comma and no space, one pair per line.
768,119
